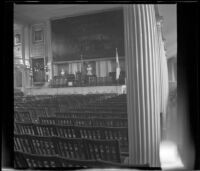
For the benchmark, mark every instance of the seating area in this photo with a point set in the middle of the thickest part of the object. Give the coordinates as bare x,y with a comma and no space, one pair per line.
85,121
71,148
30,108
51,131
26,160
86,132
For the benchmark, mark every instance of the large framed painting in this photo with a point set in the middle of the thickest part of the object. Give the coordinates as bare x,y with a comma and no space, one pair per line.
17,39
95,35
38,70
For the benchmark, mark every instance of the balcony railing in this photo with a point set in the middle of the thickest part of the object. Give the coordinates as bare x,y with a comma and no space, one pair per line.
71,81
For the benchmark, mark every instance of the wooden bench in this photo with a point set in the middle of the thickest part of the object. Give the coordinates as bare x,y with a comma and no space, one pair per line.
36,144
22,115
66,131
19,161
22,143
101,133
37,112
73,148
28,161
107,122
109,133
25,160
102,150
91,114
45,130
75,163
33,161
25,128
48,120
110,122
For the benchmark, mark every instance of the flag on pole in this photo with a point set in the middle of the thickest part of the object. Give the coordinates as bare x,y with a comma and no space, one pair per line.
117,66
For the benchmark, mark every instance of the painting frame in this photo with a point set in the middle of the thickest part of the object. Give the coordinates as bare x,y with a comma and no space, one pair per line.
17,39
38,35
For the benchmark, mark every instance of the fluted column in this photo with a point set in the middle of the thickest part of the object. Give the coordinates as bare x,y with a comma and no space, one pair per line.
49,49
143,93
27,54
164,83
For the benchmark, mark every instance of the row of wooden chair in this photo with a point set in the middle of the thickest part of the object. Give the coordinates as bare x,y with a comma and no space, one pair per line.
27,161
68,100
91,114
77,102
71,148
29,115
102,122
48,107
101,133
107,107
61,99
33,115
32,161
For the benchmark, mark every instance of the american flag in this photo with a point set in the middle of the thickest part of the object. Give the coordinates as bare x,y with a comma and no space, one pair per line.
117,66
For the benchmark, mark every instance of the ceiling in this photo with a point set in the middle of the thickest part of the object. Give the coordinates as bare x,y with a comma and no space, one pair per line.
37,13
29,14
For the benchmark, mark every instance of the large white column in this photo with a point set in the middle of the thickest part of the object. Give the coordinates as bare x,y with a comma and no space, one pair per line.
49,49
27,54
143,93
163,72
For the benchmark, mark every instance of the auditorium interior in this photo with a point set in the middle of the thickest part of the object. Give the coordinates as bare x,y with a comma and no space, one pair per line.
96,86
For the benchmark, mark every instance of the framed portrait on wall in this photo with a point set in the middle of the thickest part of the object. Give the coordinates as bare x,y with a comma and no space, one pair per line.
38,70
18,51
38,35
17,39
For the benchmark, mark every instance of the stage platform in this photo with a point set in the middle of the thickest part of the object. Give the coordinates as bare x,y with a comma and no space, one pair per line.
76,90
